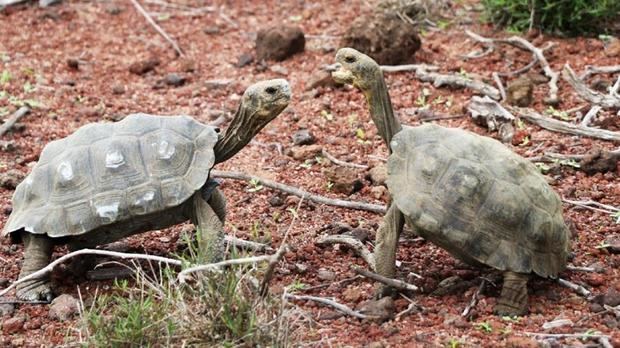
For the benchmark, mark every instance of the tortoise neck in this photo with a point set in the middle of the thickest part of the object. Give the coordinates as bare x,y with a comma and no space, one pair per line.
381,110
242,129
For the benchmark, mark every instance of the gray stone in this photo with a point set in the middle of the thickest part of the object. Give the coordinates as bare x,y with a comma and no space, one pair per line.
244,59
344,179
279,42
383,309
378,174
326,275
175,80
64,307
303,137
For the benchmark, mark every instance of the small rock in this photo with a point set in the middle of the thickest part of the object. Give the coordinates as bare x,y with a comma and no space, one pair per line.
46,3
121,246
336,228
456,321
595,279
142,67
118,89
11,178
175,80
506,132
302,153
113,10
13,325
7,145
326,275
613,48
279,69
596,308
217,83
600,161
382,309
279,42
187,65
344,179
378,192
520,91
63,307
330,315
375,344
521,342
6,309
610,298
320,78
303,137
301,268
275,200
378,174
360,234
211,30
244,59
73,63
352,294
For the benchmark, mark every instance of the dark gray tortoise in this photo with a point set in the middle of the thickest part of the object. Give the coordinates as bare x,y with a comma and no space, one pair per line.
467,193
108,181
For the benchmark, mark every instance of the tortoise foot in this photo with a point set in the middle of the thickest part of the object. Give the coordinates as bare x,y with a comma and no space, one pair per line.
35,290
383,290
509,311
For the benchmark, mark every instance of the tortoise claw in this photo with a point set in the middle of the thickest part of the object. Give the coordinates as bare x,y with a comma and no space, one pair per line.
36,290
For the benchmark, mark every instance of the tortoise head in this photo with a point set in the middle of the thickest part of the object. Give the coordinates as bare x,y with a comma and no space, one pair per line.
356,68
260,104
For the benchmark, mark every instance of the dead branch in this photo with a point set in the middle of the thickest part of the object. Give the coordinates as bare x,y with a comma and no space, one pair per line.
606,101
161,31
590,115
520,42
66,257
184,274
583,335
474,299
375,208
407,67
488,112
615,88
552,157
592,205
336,161
591,70
10,122
340,307
580,290
426,115
457,81
521,70
500,85
395,283
412,305
582,269
353,243
604,341
564,127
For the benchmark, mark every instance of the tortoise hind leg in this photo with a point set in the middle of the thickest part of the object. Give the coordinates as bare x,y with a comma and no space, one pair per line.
513,300
209,226
37,254
386,247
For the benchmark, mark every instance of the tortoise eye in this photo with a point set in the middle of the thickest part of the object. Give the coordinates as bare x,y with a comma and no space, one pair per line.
349,59
270,90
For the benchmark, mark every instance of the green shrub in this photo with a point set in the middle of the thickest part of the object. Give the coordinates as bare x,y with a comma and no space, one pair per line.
567,17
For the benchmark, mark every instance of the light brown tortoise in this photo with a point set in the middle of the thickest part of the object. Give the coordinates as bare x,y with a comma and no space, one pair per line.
467,193
107,181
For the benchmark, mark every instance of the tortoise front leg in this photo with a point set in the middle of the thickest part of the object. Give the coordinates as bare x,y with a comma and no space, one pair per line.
513,300
387,244
37,254
209,226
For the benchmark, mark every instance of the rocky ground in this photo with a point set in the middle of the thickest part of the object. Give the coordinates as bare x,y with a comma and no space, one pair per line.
81,62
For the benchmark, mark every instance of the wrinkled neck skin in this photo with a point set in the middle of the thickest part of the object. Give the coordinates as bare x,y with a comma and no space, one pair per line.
381,110
243,128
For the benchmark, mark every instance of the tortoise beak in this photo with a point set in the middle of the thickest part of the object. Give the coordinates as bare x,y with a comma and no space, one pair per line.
342,75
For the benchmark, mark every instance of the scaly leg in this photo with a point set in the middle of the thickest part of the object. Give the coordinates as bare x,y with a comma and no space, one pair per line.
209,227
387,244
37,254
81,264
513,300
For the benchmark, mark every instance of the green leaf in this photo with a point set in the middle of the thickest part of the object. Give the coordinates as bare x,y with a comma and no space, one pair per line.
5,77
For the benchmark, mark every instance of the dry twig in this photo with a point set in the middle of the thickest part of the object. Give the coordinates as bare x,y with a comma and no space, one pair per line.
375,208
358,247
340,307
474,299
607,101
591,70
576,288
395,283
336,161
161,31
10,122
583,335
457,81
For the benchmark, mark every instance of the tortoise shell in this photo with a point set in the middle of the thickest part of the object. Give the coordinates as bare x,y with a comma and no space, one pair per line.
110,173
477,199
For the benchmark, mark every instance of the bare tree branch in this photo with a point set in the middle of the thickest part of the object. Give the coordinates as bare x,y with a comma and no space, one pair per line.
10,122
607,101
395,283
340,307
161,31
358,247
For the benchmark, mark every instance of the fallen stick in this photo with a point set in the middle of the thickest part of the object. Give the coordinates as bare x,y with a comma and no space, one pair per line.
375,208
10,122
564,127
582,269
340,307
407,67
583,335
576,288
604,341
606,101
412,305
551,156
395,283
591,70
457,81
474,299
590,115
500,85
334,160
184,274
592,205
64,258
353,243
521,70
161,31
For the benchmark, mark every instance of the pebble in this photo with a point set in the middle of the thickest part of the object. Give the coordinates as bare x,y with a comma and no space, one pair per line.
301,268
378,174
6,309
279,69
144,66
175,80
73,63
304,152
275,200
64,307
244,59
352,294
211,30
326,275
303,137
118,89
13,325
344,179
360,234
521,342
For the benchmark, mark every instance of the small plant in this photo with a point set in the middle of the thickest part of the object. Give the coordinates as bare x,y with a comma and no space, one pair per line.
360,134
5,77
526,141
422,100
484,327
454,343
330,185
563,115
327,115
544,169
255,186
296,285
576,17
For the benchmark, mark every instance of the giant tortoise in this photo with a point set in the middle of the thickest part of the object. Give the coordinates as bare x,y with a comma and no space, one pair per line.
467,193
107,181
